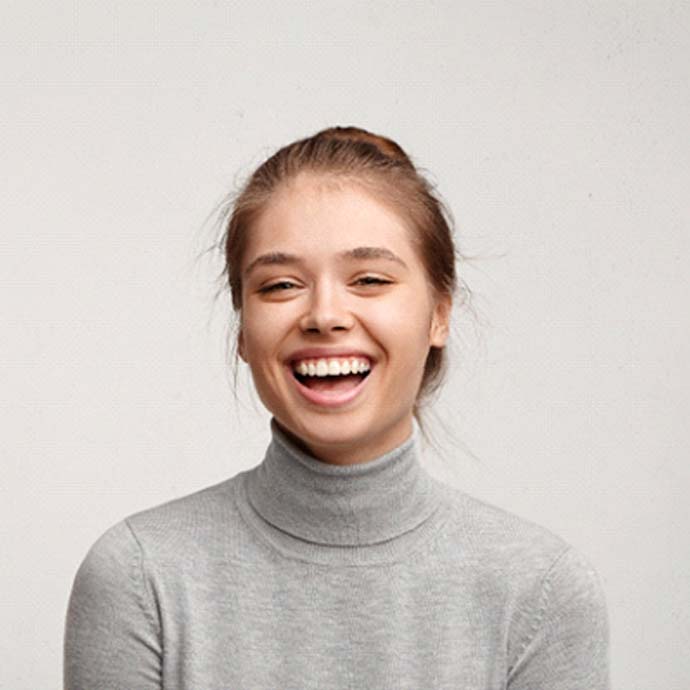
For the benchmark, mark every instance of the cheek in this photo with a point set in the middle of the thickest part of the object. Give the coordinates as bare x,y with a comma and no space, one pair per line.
262,330
403,323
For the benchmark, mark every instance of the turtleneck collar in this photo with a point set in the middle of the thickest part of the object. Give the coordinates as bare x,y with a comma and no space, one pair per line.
366,506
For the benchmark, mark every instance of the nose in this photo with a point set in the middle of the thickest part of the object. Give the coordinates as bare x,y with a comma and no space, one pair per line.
327,310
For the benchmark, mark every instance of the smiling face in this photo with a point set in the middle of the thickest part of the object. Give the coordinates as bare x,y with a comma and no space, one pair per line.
377,303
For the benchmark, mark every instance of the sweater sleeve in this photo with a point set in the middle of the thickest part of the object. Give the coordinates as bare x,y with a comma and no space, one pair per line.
111,631
566,645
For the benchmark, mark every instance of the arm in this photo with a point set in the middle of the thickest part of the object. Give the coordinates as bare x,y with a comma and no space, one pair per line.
111,630
566,645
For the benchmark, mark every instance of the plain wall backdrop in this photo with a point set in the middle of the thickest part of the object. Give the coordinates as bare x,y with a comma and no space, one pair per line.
557,132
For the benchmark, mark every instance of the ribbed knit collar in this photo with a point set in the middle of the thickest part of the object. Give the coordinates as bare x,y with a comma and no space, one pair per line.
360,505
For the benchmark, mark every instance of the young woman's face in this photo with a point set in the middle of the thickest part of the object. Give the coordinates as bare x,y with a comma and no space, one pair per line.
351,284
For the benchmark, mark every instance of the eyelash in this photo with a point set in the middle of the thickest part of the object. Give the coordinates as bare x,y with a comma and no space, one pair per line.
274,287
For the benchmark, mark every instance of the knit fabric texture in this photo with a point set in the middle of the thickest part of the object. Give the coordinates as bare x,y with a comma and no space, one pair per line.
301,575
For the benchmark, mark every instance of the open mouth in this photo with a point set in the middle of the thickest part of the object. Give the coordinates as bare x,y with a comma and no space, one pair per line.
331,390
333,383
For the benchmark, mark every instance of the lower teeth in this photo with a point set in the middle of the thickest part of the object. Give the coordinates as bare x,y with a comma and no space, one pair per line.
330,383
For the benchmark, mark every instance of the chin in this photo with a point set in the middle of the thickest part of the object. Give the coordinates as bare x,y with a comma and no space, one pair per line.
324,429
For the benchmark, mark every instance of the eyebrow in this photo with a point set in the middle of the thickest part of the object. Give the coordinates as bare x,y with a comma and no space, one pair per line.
283,258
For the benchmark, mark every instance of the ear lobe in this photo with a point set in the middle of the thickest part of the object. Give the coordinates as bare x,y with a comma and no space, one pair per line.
440,322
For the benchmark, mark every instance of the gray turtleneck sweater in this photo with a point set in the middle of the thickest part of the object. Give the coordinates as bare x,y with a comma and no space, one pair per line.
297,574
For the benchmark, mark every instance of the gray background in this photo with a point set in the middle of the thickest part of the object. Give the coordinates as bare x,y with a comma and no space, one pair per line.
556,131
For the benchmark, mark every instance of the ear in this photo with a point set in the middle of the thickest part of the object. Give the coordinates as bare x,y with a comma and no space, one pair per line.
440,321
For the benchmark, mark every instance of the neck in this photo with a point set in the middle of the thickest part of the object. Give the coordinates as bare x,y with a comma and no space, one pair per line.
359,505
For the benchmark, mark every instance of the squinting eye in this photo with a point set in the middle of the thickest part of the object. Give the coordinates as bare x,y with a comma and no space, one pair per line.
275,286
374,281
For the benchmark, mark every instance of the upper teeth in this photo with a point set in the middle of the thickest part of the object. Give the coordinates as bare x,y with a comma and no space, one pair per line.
331,366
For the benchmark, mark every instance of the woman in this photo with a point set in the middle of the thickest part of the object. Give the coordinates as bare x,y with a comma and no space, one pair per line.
337,561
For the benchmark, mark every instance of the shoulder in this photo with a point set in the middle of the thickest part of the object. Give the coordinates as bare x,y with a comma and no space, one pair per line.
112,561
191,524
498,536
518,557
549,591
560,633
184,527
109,593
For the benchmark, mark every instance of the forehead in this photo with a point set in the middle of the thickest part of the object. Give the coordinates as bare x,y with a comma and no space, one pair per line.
327,214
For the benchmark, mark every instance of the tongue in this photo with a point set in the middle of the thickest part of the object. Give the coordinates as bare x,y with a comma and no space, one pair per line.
333,383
